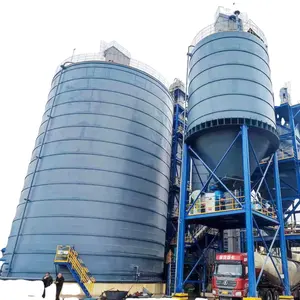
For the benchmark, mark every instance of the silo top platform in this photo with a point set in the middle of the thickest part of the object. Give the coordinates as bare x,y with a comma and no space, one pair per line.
226,20
114,53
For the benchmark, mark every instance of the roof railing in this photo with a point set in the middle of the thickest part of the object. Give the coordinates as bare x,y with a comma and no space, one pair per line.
224,26
90,57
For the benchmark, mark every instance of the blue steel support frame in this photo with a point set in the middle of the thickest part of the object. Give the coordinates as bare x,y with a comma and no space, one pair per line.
212,172
294,142
174,191
181,221
268,254
284,262
196,264
291,112
295,149
249,215
173,201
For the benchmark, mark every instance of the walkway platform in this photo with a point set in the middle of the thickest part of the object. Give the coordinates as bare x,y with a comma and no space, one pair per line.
233,219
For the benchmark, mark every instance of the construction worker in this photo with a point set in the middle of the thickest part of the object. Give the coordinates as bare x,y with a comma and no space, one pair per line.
59,284
47,280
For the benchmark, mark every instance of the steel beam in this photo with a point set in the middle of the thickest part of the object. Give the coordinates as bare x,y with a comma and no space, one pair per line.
212,172
268,254
198,174
266,259
216,177
199,259
294,141
181,221
249,216
282,240
263,173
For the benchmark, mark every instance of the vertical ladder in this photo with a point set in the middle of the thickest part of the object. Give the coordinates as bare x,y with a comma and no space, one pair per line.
37,159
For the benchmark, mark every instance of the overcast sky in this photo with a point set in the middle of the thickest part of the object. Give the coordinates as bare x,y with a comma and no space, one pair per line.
37,35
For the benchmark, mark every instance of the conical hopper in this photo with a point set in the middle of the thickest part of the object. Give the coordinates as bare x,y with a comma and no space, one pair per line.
211,145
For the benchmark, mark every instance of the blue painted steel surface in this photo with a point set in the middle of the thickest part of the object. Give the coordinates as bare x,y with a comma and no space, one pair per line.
211,175
99,176
181,221
249,216
282,240
230,86
175,175
288,161
291,174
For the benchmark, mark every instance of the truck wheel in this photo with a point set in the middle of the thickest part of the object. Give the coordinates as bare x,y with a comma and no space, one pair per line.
275,295
268,295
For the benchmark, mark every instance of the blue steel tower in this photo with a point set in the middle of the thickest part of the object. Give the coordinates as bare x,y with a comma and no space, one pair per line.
198,237
288,122
231,127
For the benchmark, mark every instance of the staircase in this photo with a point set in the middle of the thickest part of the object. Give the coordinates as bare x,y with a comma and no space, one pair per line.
67,256
172,274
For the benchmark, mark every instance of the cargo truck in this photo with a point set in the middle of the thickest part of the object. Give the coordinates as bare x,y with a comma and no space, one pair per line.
230,278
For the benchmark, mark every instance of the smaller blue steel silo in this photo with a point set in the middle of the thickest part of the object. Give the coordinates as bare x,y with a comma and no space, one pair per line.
230,85
231,127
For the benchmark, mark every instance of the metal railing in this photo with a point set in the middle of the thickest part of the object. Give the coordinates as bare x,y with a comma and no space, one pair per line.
66,254
90,57
292,229
230,204
223,26
282,154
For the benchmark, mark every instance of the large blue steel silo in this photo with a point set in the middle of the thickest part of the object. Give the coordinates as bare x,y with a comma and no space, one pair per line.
230,85
99,175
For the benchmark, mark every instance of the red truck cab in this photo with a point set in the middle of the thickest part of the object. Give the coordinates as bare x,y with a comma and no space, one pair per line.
230,279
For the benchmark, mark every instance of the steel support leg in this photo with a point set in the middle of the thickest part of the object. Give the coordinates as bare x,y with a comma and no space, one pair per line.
181,221
249,216
282,240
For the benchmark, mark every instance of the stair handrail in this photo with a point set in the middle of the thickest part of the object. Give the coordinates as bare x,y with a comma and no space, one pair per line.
68,255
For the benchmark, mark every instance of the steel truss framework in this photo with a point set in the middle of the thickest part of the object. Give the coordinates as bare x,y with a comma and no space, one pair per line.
173,202
289,154
244,212
290,158
194,246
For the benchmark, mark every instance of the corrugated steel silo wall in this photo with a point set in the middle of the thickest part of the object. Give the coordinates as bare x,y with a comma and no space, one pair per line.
230,77
102,181
229,81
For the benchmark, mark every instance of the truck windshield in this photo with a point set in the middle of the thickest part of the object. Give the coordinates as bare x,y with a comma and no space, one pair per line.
228,269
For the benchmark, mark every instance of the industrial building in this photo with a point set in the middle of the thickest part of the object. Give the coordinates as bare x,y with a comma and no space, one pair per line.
134,181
